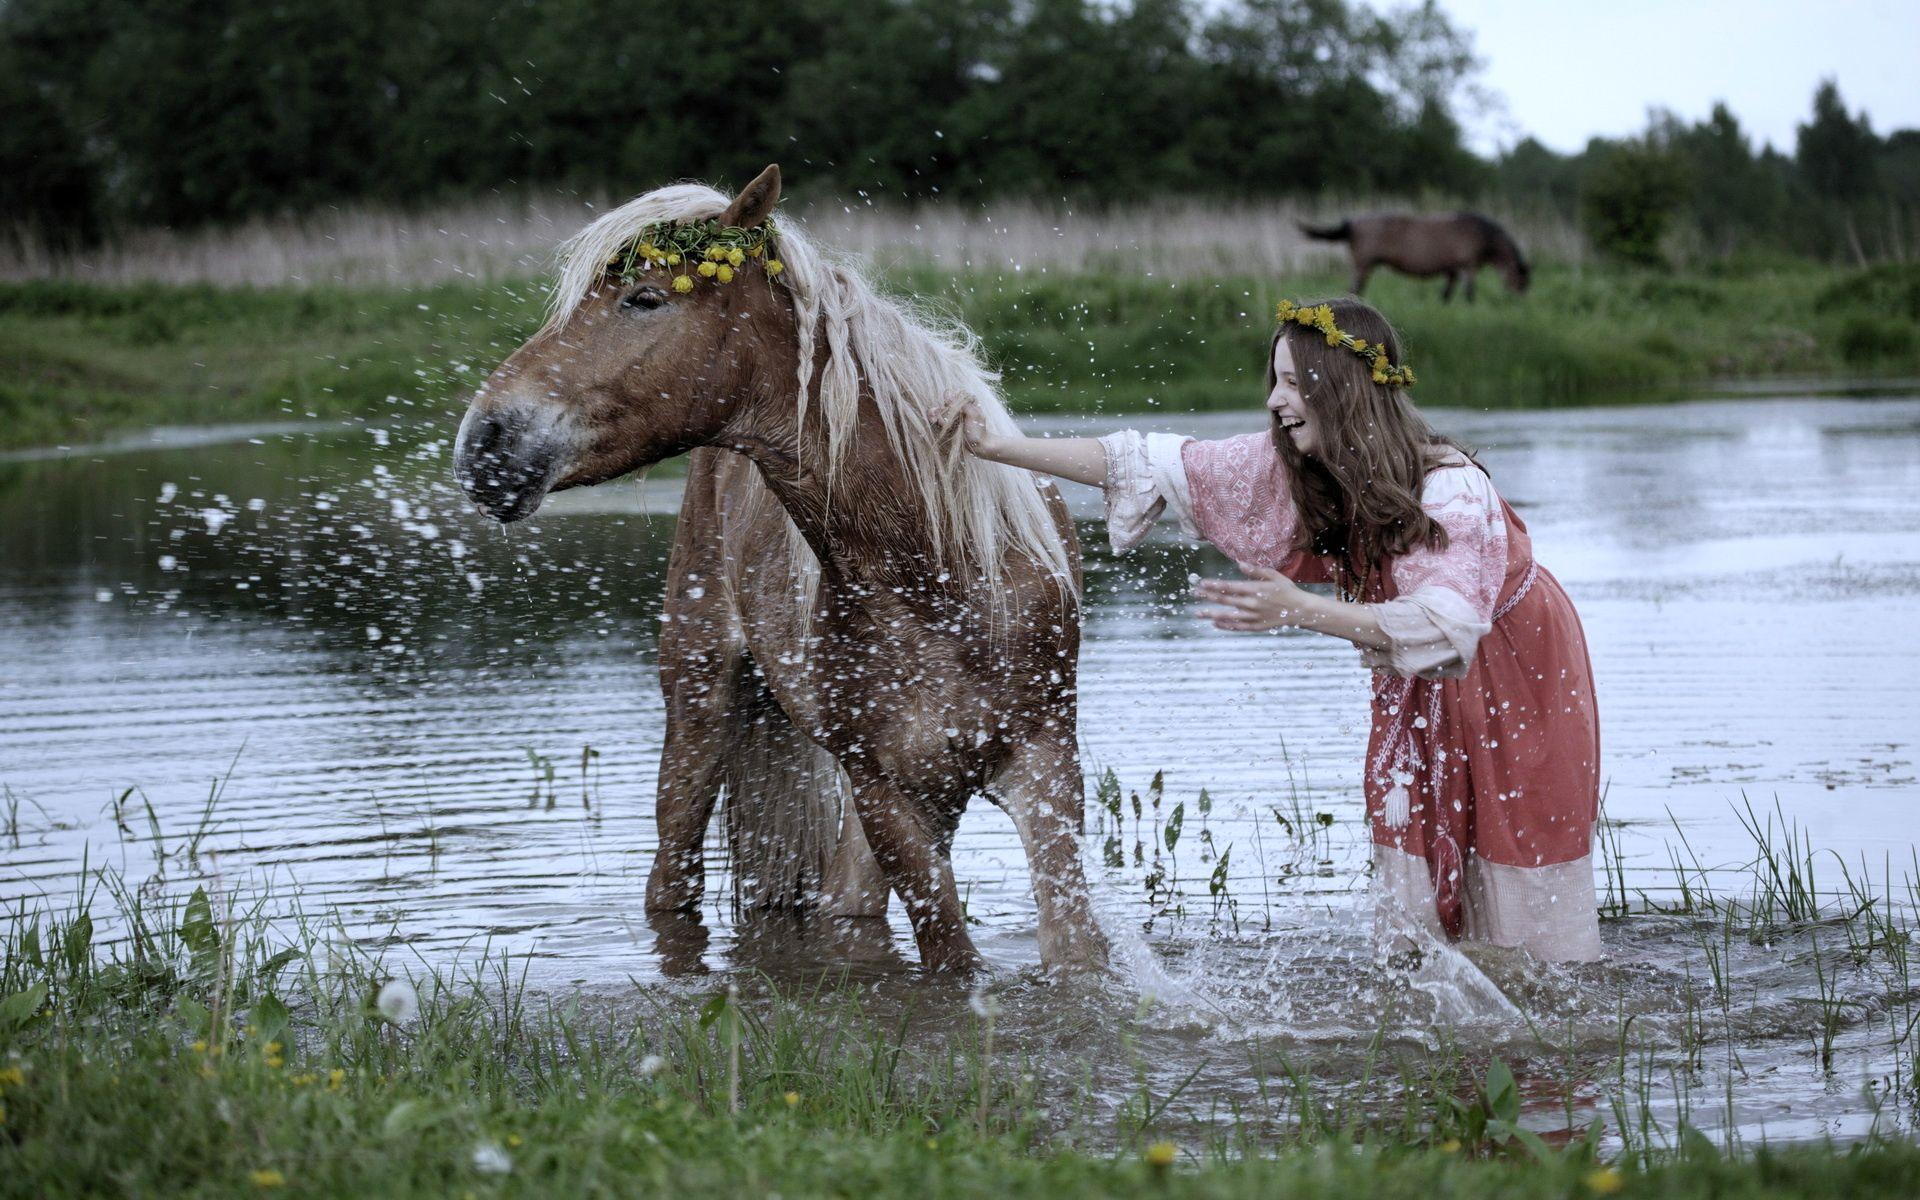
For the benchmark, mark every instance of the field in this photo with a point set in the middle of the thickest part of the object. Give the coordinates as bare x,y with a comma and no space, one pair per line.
82,362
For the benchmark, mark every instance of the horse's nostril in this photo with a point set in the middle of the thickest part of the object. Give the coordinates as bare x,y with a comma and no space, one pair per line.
491,429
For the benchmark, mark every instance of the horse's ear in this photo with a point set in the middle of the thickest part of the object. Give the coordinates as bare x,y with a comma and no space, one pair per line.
755,202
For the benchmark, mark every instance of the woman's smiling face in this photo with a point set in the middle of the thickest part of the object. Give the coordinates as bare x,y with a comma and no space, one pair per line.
1292,419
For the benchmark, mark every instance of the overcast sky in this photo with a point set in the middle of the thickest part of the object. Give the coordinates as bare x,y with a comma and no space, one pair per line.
1569,69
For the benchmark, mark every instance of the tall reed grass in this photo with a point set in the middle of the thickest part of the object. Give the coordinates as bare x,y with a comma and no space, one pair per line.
514,237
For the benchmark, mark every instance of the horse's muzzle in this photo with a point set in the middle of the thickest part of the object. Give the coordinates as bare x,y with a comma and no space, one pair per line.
502,470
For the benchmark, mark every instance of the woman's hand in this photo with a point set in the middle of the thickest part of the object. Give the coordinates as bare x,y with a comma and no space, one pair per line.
961,410
1265,599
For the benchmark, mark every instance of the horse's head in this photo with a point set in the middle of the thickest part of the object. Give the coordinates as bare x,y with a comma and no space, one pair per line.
626,373
1516,272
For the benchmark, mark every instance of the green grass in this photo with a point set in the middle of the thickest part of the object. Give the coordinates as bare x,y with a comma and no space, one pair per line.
79,362
197,1057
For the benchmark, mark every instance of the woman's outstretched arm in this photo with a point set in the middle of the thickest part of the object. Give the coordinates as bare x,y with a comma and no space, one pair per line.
1080,459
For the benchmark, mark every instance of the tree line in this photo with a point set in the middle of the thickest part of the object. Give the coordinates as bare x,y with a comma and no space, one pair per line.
123,113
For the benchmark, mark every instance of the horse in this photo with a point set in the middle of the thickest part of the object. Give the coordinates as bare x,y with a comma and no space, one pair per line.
1456,245
864,626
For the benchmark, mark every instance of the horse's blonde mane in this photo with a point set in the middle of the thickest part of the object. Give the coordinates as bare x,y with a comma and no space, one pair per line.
979,511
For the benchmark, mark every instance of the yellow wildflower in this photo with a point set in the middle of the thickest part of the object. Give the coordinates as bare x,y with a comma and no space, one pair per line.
335,1078
200,1046
13,1077
1360,344
1160,1155
1450,1146
1604,1182
756,252
716,253
792,1098
682,283
1285,311
774,267
725,274
736,256
513,1139
707,270
673,260
268,1178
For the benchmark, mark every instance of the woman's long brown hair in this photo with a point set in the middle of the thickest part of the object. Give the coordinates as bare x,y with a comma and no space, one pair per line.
1359,492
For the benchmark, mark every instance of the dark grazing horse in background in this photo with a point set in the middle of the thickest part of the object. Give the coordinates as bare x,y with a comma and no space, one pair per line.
864,625
1456,245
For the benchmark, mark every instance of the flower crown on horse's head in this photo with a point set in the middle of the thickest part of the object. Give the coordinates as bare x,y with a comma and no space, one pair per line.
706,248
1320,317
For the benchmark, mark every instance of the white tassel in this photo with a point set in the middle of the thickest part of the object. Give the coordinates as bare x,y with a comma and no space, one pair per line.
1399,807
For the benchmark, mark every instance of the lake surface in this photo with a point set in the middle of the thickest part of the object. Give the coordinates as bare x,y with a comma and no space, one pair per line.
324,677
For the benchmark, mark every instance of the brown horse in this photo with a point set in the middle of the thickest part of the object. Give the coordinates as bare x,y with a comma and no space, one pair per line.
864,626
1456,245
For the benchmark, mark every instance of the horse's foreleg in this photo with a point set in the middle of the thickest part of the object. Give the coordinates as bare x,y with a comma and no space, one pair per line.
1361,272
913,858
1041,789
1472,277
1453,280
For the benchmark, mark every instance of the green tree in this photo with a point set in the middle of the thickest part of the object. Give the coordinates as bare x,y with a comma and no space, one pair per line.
1629,199
1836,154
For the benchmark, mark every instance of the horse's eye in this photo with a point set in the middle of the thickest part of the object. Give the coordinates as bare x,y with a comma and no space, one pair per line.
643,297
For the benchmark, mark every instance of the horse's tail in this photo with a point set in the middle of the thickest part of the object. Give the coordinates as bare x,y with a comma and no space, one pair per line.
781,802
1343,232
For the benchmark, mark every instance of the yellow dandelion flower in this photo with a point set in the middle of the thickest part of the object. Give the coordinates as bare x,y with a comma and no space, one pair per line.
1160,1155
736,256
707,270
683,283
774,266
673,260
268,1178
725,274
757,252
200,1046
1450,1146
792,1098
1406,376
1604,1182
716,253
13,1077
513,1139
335,1078
1285,311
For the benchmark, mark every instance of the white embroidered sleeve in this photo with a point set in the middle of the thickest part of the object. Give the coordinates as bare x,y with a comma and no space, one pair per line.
1144,480
1446,597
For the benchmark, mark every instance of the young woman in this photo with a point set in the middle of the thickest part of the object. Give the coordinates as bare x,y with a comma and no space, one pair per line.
1482,767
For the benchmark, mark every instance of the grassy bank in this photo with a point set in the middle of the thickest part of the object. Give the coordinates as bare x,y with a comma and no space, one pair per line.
81,362
199,1057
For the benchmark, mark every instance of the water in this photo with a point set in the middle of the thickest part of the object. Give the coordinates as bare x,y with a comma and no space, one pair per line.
320,674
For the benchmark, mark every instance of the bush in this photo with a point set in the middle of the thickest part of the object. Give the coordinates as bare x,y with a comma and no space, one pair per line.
1865,339
1629,200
